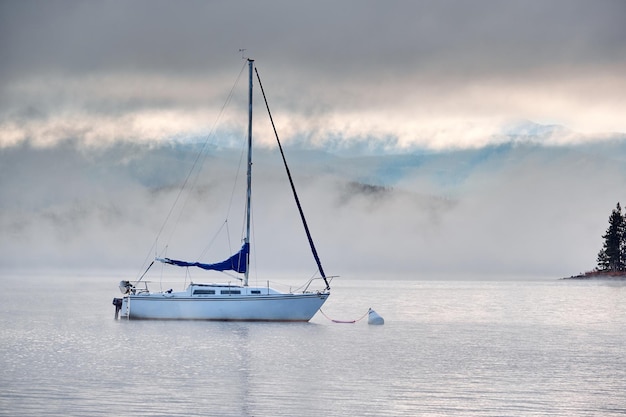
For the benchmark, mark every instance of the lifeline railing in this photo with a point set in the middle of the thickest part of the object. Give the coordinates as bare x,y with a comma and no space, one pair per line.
327,280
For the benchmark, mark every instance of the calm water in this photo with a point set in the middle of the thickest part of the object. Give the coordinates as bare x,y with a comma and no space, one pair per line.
497,348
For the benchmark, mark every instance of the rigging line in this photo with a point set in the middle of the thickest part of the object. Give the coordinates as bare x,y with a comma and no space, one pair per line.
206,249
228,210
230,204
243,223
293,188
195,163
200,153
146,271
232,193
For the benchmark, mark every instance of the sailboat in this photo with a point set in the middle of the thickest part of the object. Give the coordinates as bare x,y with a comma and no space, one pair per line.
224,301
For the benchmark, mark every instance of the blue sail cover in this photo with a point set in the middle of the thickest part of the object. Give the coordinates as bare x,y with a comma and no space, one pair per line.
236,263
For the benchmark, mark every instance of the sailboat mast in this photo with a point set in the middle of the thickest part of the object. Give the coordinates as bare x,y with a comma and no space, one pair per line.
249,187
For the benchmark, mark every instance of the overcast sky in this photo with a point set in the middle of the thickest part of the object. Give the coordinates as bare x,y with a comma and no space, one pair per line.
435,74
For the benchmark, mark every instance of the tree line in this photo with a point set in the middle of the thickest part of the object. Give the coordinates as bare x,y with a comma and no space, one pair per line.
612,256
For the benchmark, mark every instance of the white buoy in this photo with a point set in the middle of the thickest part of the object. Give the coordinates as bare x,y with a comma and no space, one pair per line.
374,318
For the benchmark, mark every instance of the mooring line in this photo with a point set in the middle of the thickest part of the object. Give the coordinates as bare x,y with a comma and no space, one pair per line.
344,321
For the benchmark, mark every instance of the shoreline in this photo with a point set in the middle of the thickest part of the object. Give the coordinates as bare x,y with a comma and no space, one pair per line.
607,275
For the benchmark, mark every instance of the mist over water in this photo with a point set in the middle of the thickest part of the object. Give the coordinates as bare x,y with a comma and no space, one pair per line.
517,208
479,348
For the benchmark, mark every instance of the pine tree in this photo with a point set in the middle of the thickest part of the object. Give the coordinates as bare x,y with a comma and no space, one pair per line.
612,256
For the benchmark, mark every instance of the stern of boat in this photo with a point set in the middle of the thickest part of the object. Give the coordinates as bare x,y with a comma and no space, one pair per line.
122,310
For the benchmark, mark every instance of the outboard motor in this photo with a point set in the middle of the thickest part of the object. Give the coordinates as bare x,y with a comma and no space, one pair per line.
126,287
117,302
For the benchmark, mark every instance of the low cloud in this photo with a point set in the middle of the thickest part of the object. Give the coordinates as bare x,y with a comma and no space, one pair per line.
509,210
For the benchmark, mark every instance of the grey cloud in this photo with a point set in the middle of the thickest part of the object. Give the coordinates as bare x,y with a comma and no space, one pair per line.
341,39
361,63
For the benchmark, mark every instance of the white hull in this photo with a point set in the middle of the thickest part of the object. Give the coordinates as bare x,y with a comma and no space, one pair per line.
270,306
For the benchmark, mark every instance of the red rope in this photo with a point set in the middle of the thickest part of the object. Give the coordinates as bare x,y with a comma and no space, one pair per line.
344,321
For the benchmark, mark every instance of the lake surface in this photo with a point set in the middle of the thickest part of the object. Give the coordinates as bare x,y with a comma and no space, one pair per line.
472,348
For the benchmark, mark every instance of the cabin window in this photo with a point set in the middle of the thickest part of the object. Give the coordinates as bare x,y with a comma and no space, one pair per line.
203,292
255,292
231,291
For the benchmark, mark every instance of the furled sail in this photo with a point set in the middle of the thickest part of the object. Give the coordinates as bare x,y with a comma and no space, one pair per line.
237,262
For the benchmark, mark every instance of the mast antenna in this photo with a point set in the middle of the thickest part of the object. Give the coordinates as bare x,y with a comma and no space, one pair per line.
243,53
